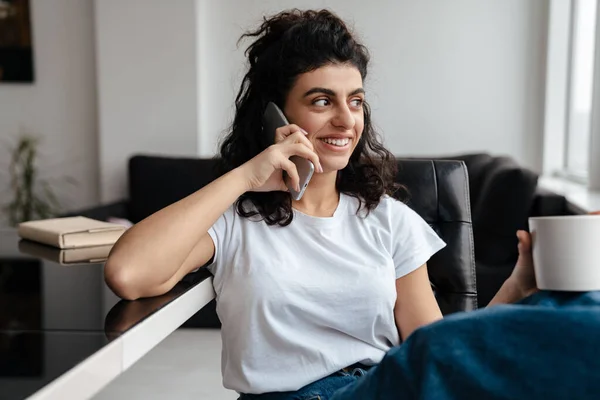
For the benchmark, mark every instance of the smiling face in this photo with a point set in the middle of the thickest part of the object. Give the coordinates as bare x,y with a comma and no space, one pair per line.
328,104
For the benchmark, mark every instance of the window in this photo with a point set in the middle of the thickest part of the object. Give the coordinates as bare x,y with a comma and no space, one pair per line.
572,95
579,92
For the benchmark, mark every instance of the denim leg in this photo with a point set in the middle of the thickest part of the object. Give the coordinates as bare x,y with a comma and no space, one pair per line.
379,383
543,349
322,389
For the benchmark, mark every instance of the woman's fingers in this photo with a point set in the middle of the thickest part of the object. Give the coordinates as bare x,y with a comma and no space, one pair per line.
294,135
299,149
299,137
283,132
292,172
524,241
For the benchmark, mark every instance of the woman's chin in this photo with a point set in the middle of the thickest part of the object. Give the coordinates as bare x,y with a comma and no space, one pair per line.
334,165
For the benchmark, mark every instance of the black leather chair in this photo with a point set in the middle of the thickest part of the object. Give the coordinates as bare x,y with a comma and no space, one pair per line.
438,190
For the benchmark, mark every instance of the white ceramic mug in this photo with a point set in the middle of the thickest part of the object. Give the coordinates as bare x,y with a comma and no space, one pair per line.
566,252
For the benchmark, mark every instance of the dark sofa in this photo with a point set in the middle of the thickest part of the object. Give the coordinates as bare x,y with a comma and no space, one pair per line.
503,196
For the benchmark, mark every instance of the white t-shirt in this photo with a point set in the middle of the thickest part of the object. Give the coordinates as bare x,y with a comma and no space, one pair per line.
300,302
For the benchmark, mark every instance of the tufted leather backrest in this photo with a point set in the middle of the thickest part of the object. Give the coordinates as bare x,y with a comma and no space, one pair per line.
439,192
438,189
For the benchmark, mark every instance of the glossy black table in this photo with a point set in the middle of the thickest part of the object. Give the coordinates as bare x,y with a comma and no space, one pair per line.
64,334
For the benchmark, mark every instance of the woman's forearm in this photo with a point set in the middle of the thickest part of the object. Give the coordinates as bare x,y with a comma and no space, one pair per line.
152,251
509,292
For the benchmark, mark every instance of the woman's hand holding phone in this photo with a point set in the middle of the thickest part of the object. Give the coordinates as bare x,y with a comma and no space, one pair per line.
264,173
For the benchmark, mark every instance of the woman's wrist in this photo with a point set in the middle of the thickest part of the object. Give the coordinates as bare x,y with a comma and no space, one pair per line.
240,179
520,288
511,291
523,290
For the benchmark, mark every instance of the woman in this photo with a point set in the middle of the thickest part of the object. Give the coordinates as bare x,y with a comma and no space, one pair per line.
310,292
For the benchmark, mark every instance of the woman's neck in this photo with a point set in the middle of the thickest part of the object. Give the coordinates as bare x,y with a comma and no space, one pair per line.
321,197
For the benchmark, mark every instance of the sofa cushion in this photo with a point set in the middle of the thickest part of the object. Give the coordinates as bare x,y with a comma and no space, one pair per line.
503,207
155,182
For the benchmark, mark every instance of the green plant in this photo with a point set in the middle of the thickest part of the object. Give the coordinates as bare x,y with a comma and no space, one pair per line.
33,198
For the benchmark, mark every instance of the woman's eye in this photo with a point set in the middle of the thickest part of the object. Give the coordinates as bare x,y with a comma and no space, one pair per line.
357,102
321,102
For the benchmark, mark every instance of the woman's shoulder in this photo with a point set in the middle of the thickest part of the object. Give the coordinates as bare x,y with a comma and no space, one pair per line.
397,212
231,217
388,208
389,204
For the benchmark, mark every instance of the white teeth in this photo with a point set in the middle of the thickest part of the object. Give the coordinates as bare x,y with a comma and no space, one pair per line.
337,142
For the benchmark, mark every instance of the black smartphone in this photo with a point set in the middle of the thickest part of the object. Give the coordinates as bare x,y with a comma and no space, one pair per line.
273,118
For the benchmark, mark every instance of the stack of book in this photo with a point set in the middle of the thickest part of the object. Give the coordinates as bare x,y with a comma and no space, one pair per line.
70,240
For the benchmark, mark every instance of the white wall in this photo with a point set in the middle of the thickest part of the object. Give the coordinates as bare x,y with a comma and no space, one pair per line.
60,106
146,51
446,76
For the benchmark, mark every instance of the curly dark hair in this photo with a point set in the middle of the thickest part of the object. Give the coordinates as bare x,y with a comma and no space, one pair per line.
288,44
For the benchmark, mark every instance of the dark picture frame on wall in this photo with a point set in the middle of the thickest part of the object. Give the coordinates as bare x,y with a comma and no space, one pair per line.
16,42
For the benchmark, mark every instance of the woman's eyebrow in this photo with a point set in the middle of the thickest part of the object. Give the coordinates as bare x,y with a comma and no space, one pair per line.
330,92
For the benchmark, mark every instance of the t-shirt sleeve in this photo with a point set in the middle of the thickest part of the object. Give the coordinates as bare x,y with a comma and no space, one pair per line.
413,240
220,234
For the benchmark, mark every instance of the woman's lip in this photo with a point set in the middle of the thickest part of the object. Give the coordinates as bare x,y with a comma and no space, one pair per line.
332,147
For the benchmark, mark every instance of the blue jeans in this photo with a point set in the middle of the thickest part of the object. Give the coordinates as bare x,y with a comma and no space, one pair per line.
322,389
546,347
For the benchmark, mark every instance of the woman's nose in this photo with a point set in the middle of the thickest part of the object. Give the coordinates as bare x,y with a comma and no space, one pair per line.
344,117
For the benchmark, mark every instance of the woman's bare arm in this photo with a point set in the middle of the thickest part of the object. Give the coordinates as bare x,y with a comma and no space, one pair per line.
154,254
415,303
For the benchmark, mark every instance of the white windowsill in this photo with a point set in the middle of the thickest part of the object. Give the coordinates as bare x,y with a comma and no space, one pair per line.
581,199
